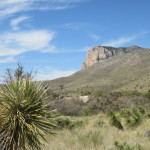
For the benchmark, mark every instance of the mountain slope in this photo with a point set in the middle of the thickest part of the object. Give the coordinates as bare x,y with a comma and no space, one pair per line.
129,71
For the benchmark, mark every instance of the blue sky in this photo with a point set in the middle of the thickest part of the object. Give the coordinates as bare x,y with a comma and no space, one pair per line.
53,36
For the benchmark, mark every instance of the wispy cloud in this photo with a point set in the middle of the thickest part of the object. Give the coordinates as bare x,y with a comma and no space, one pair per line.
95,37
15,43
123,40
14,23
119,42
76,25
10,7
79,50
7,59
48,73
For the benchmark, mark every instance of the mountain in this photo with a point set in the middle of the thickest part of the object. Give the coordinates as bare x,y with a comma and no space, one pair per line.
99,53
110,69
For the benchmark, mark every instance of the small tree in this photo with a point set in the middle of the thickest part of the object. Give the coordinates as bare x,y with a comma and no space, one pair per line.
61,90
24,119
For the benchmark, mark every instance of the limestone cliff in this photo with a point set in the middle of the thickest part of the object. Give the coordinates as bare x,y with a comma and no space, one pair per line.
99,53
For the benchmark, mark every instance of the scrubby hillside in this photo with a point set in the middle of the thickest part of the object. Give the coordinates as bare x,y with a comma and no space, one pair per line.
127,71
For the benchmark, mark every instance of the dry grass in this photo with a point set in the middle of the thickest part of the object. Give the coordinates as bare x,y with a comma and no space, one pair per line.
94,135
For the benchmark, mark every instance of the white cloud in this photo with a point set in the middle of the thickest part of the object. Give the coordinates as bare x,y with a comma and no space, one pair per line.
80,50
119,42
10,7
123,40
12,44
15,22
16,43
77,25
95,37
7,60
54,74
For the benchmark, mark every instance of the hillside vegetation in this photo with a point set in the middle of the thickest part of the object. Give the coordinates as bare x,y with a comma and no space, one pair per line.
127,72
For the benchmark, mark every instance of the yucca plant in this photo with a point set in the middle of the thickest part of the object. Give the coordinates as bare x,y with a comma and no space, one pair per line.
115,120
133,117
134,120
24,119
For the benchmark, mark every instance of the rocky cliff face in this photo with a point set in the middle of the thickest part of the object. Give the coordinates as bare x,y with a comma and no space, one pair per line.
99,53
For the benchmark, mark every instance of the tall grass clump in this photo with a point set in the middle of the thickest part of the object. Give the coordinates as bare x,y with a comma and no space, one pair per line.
24,119
92,138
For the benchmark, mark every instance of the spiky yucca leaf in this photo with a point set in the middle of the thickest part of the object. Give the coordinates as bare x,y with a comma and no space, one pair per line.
24,120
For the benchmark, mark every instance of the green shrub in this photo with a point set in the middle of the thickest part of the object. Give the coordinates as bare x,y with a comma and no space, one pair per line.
63,121
148,94
77,124
133,93
67,122
84,93
148,115
136,93
142,110
100,123
101,93
87,112
126,146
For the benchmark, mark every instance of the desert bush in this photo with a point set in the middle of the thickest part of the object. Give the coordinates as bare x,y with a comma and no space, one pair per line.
100,93
133,93
113,102
83,93
23,116
63,121
87,112
148,94
142,110
78,123
66,122
126,146
97,105
100,123
72,107
148,115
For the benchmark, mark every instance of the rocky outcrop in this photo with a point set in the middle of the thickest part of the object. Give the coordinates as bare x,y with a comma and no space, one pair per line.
99,53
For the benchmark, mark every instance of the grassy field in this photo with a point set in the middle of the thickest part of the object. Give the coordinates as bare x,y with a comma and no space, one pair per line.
96,133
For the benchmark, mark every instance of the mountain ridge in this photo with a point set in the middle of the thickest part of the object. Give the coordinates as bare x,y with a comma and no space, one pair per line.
98,53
